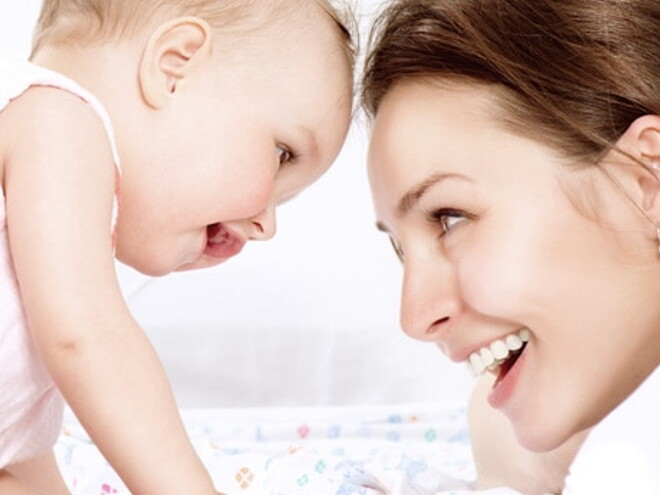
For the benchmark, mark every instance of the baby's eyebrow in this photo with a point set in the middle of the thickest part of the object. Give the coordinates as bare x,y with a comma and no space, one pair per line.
414,194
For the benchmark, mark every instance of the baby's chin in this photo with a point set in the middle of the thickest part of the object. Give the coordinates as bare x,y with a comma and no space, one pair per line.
153,267
203,262
146,264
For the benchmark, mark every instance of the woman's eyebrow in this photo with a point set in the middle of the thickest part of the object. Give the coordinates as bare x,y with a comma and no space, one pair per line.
412,197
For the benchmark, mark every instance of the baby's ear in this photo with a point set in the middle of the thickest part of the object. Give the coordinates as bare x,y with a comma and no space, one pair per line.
173,52
642,142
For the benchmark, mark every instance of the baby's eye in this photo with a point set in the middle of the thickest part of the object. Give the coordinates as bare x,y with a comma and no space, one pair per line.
447,218
284,155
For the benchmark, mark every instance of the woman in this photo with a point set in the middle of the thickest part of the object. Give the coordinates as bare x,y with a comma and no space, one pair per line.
515,166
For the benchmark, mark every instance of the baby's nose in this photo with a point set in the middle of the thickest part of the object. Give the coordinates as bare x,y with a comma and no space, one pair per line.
264,225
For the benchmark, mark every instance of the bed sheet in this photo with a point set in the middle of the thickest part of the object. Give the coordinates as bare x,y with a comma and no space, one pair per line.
413,449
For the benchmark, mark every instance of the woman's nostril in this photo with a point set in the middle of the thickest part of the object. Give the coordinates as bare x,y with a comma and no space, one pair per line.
437,325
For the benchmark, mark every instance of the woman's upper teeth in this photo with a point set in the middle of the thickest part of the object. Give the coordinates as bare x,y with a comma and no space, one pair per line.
492,356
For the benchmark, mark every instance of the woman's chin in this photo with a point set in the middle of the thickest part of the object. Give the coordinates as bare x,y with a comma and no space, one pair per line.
544,435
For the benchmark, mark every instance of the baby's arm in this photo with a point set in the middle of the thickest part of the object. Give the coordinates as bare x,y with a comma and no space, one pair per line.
59,183
501,461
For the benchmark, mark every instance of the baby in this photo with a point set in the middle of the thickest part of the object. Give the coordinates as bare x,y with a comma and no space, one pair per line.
221,111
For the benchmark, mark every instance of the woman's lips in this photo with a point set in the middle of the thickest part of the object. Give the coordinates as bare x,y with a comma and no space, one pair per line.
221,242
507,381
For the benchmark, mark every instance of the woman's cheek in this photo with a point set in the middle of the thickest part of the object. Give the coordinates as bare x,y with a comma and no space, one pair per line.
494,283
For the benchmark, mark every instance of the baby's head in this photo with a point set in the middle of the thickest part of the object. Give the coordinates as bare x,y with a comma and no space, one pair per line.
512,164
84,21
221,109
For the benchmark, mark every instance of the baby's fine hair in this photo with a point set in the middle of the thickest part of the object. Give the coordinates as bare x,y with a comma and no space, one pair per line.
573,74
83,21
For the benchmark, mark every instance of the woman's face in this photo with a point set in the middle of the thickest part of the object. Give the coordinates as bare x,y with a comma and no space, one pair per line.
498,247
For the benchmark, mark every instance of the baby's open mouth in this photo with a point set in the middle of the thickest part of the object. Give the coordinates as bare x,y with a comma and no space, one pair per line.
500,356
221,242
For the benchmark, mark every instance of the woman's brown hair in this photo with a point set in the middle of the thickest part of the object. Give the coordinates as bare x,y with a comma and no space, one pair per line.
572,73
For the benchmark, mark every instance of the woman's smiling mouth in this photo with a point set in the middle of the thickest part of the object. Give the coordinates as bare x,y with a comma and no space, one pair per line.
501,353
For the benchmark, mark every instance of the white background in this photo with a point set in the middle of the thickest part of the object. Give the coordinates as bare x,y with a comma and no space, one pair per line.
310,317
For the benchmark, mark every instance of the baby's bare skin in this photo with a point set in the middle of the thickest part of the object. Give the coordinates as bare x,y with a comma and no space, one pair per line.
34,476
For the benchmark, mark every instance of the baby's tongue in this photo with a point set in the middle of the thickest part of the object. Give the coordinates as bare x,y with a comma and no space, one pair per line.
221,242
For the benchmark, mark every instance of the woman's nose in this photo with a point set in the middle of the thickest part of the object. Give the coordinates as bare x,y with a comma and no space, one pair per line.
429,300
264,224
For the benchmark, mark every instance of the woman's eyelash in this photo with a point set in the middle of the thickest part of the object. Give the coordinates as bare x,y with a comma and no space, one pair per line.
447,218
397,249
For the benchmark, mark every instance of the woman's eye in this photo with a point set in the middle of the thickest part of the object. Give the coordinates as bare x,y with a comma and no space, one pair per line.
397,249
447,218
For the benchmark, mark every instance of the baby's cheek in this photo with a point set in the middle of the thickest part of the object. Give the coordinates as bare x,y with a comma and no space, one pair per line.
251,199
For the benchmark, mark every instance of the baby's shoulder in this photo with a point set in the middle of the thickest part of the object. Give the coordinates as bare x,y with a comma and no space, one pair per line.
44,117
39,107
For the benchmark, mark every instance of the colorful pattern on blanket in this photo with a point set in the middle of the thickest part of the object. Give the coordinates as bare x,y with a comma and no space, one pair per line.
406,450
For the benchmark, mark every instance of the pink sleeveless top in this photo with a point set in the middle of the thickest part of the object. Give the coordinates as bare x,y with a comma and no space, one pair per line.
30,405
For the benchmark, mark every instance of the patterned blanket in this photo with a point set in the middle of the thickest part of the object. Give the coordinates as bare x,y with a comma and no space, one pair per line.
416,449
